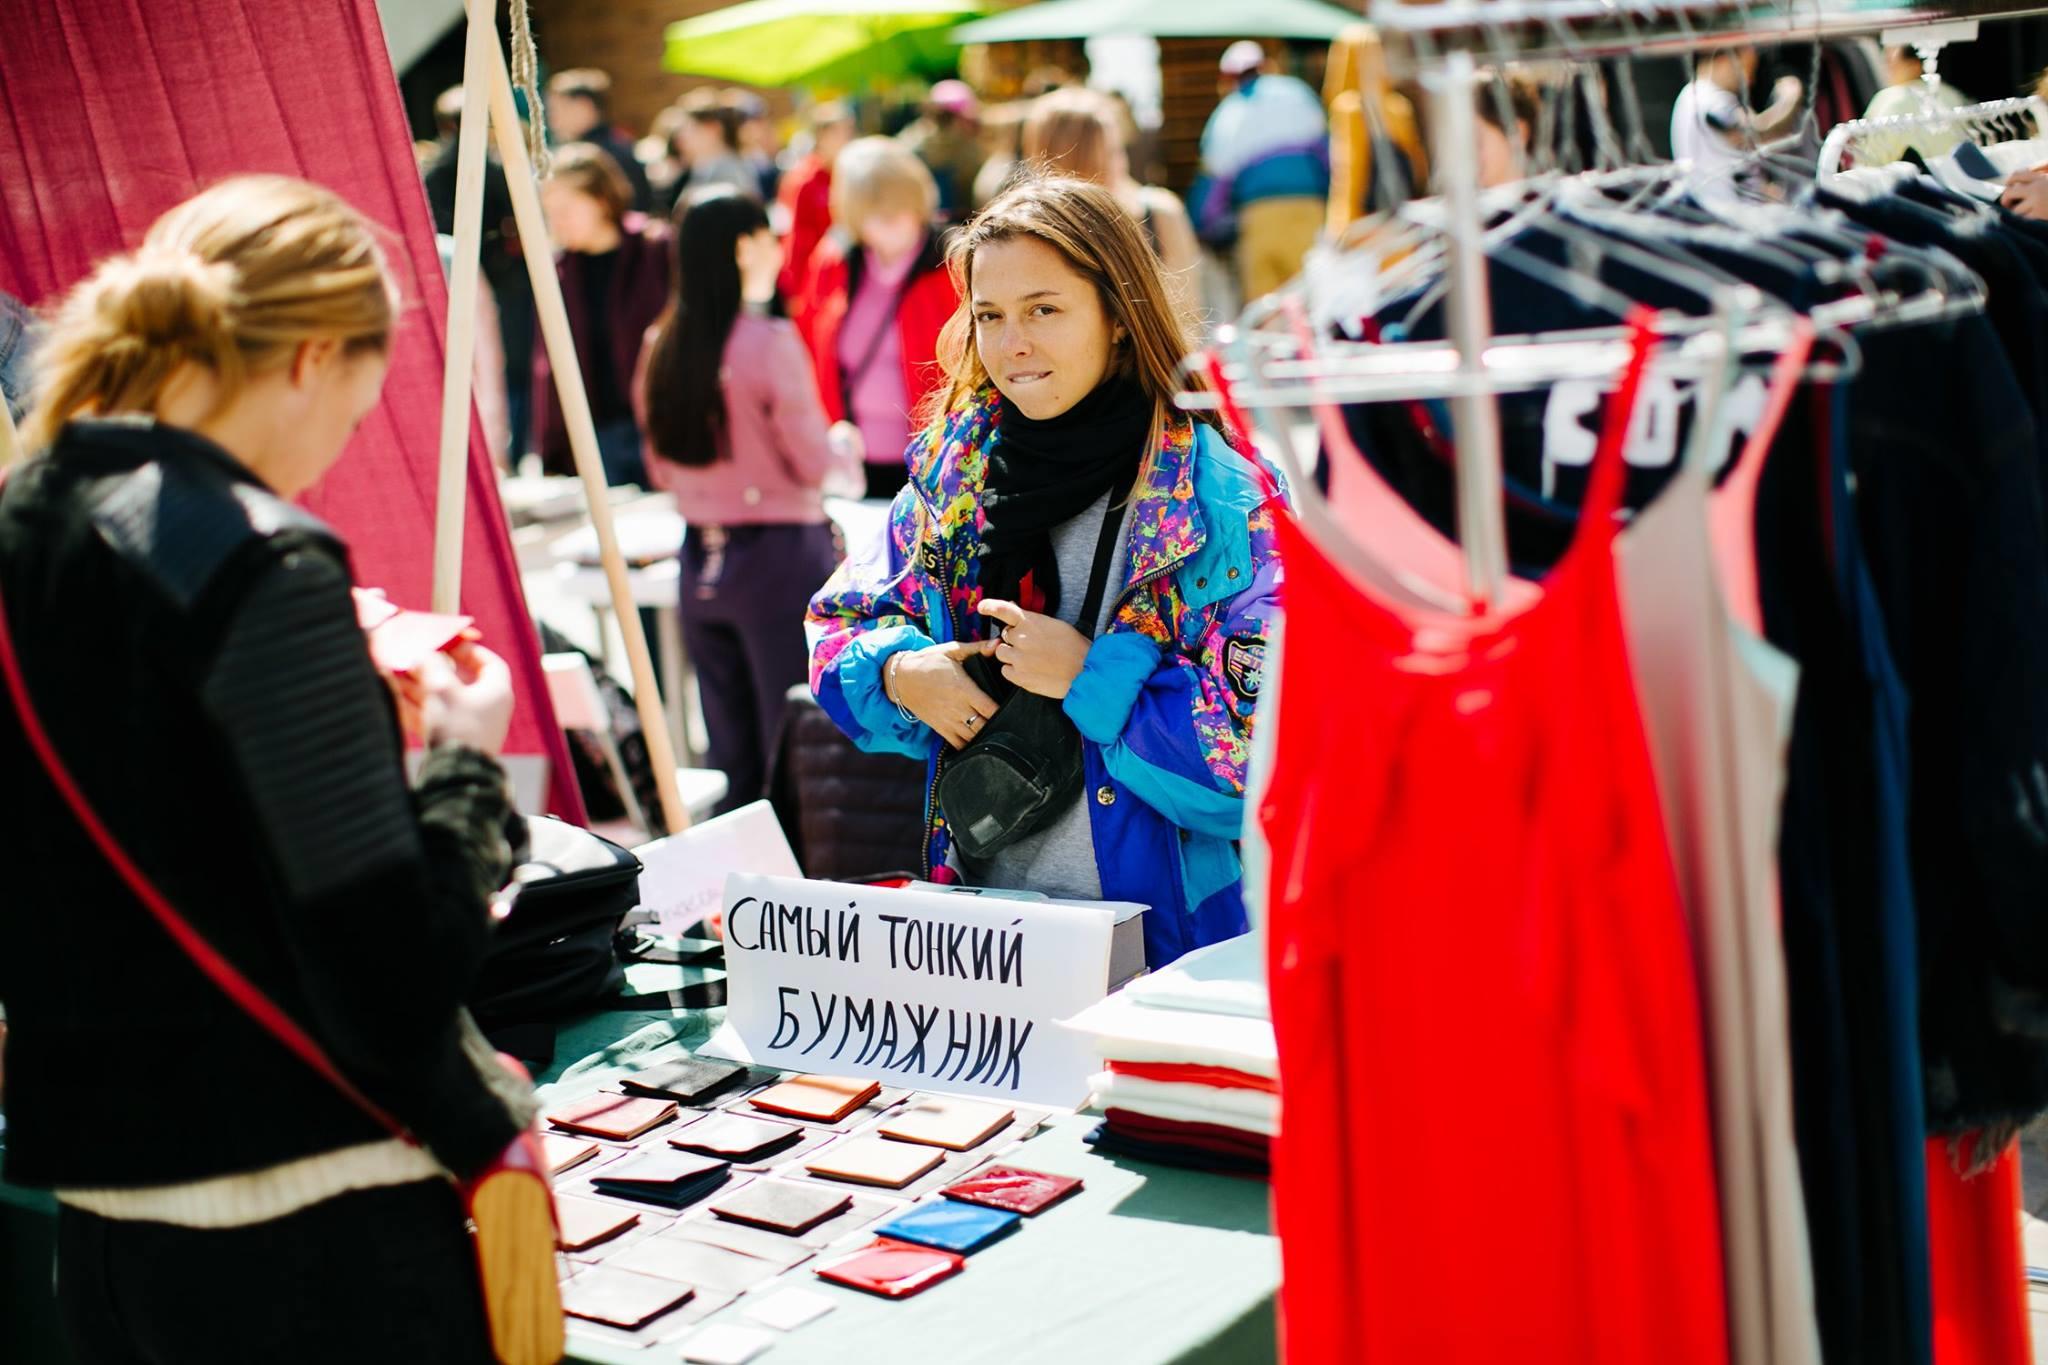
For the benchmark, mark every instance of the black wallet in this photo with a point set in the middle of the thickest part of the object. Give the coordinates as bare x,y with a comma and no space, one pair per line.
687,1081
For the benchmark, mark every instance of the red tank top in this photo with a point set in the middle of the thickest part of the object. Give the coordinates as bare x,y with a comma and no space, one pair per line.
1495,1141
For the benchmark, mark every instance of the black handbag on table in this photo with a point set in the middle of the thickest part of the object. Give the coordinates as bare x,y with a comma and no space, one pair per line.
1024,768
564,948
553,955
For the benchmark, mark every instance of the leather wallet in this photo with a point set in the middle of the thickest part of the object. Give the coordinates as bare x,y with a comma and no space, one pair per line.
895,1270
735,1137
673,1180
782,1206
620,1298
618,1117
784,1253
825,1099
952,1226
957,1125
867,1210
696,1263
688,1081
584,1223
564,1153
1013,1188
874,1161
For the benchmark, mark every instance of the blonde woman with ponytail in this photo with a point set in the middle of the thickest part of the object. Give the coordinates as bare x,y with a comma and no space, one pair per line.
186,638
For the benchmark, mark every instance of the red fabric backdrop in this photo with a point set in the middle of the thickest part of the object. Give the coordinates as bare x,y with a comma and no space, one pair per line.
111,111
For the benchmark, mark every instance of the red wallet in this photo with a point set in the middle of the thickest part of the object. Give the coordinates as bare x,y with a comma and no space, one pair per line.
1013,1188
894,1270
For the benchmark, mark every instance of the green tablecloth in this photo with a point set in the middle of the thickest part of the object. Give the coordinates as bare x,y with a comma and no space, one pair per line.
1145,1266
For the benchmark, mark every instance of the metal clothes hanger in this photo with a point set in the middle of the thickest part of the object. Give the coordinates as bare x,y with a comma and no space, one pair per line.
1975,121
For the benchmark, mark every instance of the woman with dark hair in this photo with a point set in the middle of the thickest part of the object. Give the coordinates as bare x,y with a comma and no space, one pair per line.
1055,473
614,268
735,430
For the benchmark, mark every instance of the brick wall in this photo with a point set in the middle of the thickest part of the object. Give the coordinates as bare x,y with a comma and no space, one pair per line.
625,39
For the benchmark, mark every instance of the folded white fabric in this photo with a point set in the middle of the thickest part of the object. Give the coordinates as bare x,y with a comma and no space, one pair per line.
1126,1031
1250,1110
1223,978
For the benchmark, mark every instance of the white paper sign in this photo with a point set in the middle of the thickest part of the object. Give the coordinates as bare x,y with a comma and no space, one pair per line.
682,877
930,990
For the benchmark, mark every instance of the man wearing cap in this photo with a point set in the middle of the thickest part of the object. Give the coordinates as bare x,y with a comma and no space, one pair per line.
947,139
1267,151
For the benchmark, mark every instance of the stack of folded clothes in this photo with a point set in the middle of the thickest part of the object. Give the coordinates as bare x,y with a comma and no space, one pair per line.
1192,1071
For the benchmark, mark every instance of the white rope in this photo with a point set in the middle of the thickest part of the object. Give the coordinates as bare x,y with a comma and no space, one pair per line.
526,78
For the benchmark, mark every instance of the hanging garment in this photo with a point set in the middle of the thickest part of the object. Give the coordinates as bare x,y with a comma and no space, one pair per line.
1848,905
1847,893
1717,707
1473,904
1943,456
1980,1280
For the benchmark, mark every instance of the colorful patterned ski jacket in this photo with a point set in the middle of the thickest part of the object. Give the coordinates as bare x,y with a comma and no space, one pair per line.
1165,700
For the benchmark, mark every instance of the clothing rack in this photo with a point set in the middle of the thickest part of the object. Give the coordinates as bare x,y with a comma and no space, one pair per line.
1439,45
1416,35
1969,117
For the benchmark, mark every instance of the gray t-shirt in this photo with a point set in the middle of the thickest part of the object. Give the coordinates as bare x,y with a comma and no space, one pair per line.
1059,860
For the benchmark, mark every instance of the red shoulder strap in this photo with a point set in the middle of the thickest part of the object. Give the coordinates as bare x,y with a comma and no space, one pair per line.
238,988
1610,467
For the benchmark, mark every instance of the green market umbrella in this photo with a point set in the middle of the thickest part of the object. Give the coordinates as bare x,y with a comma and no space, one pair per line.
1053,19
809,42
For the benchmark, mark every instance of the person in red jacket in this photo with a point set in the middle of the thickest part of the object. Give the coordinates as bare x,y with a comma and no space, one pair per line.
880,292
806,196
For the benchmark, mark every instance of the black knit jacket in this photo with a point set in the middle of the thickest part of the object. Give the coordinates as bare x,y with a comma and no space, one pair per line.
190,644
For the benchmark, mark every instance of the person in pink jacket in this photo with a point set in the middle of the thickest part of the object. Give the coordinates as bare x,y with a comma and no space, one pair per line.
734,428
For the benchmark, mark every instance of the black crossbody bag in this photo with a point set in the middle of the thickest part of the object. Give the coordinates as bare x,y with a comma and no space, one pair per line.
1024,768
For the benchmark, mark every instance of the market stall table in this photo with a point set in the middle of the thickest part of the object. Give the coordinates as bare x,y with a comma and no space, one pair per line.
1147,1265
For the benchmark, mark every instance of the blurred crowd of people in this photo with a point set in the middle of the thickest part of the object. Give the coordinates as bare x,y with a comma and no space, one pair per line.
758,324
861,222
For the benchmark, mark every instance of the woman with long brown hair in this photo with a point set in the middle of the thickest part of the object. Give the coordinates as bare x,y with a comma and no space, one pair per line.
186,639
1080,132
1073,547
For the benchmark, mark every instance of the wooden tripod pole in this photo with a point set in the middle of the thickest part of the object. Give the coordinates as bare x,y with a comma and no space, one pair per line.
451,494
554,330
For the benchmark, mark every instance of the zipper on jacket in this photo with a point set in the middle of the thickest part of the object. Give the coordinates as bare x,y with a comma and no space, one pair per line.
931,799
931,796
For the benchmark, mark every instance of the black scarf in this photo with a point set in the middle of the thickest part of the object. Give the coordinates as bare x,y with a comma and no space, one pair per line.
1044,474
